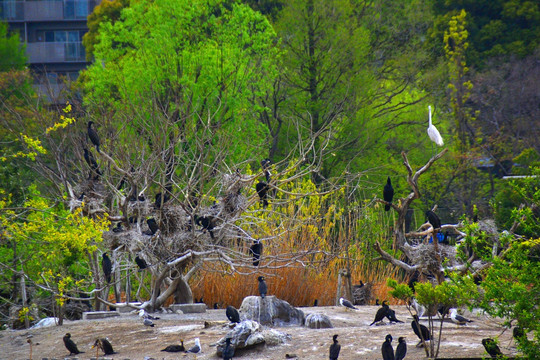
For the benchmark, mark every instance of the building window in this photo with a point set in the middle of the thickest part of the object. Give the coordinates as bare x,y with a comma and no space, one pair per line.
76,9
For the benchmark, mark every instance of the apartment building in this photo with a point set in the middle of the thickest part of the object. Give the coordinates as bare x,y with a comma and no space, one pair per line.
52,31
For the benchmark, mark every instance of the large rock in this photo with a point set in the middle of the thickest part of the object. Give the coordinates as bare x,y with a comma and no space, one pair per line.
270,311
248,334
318,321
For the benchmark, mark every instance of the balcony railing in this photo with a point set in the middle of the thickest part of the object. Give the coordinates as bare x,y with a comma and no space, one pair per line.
50,52
46,10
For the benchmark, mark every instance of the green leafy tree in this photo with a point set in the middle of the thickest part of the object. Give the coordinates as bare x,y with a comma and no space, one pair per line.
12,51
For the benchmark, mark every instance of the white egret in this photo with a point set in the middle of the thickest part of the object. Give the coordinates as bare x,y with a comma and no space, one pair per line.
433,133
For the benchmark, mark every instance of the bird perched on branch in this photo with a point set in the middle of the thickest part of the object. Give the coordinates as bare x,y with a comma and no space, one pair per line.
207,223
262,187
141,263
104,345
91,161
381,313
433,133
256,251
386,349
388,194
420,330
401,349
70,345
106,265
347,304
433,219
175,348
92,134
263,289
458,319
335,348
152,227
160,199
232,314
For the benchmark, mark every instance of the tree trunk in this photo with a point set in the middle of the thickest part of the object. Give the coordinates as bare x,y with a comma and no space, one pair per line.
183,294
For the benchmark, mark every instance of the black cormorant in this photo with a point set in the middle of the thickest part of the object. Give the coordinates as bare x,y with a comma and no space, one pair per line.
152,226
206,222
492,349
232,314
316,302
106,265
346,303
141,263
517,332
335,348
256,251
70,345
401,349
388,194
381,313
417,328
160,200
433,219
92,134
228,351
386,349
104,345
263,289
391,315
91,161
176,348
263,187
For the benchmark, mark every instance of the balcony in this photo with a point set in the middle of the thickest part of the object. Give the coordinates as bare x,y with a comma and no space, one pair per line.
47,10
54,52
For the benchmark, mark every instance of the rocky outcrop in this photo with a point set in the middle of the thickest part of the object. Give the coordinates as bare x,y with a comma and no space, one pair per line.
248,334
270,311
318,321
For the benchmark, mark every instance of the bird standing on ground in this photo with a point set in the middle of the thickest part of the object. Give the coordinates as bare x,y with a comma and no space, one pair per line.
92,134
104,345
140,263
391,315
388,194
386,349
420,330
106,265
256,251
196,348
263,289
335,348
148,322
347,303
491,348
70,345
458,319
433,133
175,348
228,351
401,349
144,315
381,313
232,314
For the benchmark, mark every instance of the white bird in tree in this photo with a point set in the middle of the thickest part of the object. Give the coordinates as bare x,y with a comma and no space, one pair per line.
433,133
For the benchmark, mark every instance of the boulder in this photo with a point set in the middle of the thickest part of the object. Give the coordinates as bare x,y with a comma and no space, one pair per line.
270,311
318,321
248,334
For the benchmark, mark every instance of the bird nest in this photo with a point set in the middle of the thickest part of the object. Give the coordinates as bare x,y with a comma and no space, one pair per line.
425,256
362,294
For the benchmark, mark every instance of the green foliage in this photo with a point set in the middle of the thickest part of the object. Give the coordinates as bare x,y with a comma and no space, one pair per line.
400,291
204,62
12,51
